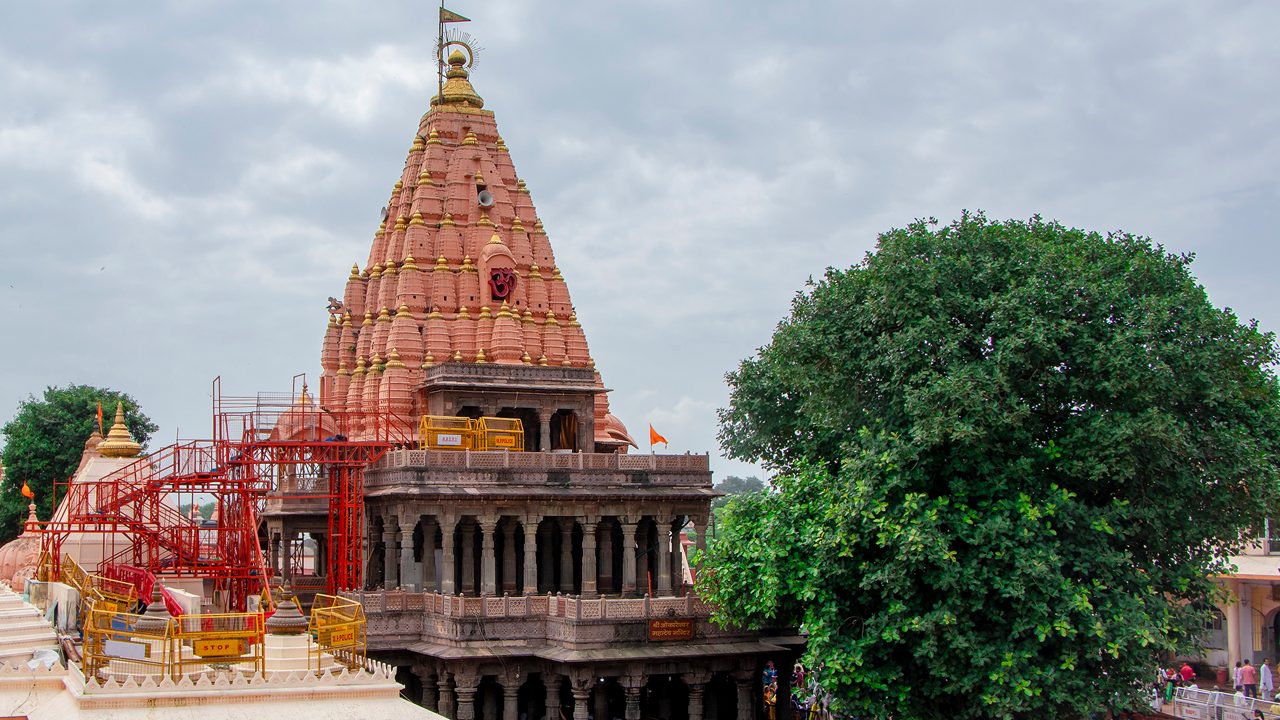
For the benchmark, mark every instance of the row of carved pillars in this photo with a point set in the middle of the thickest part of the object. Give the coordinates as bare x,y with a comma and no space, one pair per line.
490,555
686,696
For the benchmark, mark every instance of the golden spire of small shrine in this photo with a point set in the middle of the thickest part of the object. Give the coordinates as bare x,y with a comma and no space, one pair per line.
119,443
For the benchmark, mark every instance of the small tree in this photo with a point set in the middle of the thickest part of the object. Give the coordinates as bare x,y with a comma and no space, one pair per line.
1011,457
45,439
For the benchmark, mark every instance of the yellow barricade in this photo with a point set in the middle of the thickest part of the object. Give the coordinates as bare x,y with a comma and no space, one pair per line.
219,641
122,644
494,433
337,628
442,432
113,595
70,573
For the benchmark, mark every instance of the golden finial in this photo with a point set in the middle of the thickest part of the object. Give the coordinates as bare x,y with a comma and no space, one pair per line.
417,219
342,368
428,361
424,177
480,356
409,264
551,318
526,359
435,312
495,240
573,319
470,139
375,363
457,356
393,359
346,320
542,360
376,272
484,313
466,264
505,310
400,224
502,145
534,272
418,144
442,265
119,443
382,229
591,362
360,368
463,314
404,310
368,318
447,220
484,220
528,316
433,138
457,89
333,320
516,225
384,315
355,272
566,362
521,187
479,178
537,225
558,276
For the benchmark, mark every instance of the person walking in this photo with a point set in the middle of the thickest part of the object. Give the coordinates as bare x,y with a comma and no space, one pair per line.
1235,679
1266,679
1249,679
1187,673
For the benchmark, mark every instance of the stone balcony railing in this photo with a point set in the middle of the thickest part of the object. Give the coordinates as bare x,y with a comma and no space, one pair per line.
543,461
398,618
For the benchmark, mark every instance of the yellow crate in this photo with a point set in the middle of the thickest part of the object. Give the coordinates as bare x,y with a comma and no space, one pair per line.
444,432
493,433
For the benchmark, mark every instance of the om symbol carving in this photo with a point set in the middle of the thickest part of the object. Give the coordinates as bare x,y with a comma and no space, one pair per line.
501,282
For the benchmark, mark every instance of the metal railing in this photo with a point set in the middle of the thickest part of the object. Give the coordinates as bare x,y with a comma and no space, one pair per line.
1197,704
337,626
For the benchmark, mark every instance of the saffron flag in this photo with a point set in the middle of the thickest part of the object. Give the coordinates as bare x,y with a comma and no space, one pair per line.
26,491
99,417
448,16
654,437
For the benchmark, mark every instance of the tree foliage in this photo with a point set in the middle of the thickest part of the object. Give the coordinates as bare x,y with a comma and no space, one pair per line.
45,439
1011,456
733,485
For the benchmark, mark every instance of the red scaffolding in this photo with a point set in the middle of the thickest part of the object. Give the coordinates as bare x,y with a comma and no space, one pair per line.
261,445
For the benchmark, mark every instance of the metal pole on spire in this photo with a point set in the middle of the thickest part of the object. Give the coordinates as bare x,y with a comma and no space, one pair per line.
440,57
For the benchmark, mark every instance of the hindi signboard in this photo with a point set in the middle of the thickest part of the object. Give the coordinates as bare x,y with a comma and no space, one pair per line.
671,629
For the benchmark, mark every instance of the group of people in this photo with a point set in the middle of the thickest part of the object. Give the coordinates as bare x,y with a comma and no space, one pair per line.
809,701
1254,680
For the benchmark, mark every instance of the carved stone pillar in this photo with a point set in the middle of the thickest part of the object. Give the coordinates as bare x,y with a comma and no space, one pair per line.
566,555
552,683
746,711
467,697
510,700
430,693
581,703
544,427
429,580
589,558
509,558
664,557
448,702
697,684
530,556
447,564
605,564
644,576
488,558
632,711
628,559
468,553
408,568
546,574
275,552
390,556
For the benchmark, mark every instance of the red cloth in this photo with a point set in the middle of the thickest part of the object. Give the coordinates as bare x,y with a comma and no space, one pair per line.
1187,673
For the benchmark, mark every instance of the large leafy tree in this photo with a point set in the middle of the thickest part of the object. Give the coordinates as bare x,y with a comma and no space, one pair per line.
45,439
1010,457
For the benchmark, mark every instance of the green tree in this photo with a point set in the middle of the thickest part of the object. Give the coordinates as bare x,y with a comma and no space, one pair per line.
733,485
45,439
1011,456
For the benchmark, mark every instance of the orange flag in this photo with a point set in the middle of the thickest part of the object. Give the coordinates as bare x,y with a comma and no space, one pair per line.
26,491
654,437
99,417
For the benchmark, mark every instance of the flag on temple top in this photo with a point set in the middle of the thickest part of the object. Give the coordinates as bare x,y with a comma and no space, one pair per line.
100,417
26,491
654,437
448,16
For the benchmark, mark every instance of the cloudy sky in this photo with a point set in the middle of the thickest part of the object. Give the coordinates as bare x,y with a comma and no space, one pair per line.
183,184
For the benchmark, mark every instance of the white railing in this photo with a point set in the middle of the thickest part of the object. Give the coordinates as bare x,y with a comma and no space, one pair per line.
1197,704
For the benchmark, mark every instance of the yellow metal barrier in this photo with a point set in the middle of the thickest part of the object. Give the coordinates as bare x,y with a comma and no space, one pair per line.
111,595
122,644
220,641
44,569
70,573
442,432
494,433
337,628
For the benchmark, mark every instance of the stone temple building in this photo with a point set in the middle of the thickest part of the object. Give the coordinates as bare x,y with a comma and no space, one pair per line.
543,582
